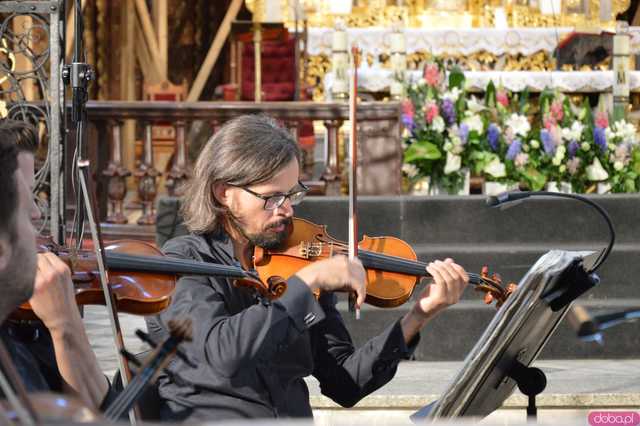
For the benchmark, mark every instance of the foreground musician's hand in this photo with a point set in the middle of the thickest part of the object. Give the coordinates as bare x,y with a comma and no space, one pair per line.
449,282
54,303
337,273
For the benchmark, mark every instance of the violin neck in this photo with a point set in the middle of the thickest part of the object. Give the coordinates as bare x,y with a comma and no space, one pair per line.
168,265
383,262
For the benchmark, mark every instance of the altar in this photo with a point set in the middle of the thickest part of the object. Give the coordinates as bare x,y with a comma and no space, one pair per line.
378,80
483,53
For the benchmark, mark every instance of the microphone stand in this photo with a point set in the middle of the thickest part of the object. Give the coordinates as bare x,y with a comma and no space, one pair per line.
78,75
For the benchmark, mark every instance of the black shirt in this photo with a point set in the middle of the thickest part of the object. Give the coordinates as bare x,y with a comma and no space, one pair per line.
31,349
252,354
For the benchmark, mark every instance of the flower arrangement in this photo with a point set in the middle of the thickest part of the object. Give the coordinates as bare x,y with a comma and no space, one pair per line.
507,139
439,134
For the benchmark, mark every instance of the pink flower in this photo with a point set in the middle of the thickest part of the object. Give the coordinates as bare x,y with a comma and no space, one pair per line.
549,122
602,120
430,112
502,98
556,135
521,160
432,74
556,111
408,109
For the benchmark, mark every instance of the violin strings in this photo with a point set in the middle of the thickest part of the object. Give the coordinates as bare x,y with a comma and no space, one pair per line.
390,263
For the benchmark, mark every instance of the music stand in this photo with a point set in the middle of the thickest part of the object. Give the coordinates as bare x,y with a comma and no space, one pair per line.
514,338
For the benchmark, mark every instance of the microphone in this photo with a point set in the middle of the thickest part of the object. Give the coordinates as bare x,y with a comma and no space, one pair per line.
586,327
508,199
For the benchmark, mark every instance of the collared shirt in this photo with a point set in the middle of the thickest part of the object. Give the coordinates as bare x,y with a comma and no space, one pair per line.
252,354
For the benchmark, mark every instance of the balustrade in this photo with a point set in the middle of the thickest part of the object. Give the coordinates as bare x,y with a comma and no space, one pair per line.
291,114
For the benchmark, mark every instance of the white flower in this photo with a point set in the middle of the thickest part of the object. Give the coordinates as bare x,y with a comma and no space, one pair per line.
474,106
452,94
410,170
609,133
618,165
585,146
521,160
438,124
422,82
475,123
454,162
447,146
519,124
595,172
496,168
535,144
574,133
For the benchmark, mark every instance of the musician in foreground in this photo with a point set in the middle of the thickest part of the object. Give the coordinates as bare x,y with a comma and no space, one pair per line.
54,355
252,353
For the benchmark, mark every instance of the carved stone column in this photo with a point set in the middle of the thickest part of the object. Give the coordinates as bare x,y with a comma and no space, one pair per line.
332,166
147,183
179,172
117,174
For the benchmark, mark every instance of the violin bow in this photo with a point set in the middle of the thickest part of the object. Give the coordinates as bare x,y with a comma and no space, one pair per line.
353,158
96,236
179,331
15,391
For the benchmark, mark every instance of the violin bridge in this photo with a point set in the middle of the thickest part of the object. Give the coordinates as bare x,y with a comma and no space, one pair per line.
308,249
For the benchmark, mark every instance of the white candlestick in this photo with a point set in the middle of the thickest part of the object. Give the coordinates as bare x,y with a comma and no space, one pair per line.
272,11
500,18
340,41
398,43
551,7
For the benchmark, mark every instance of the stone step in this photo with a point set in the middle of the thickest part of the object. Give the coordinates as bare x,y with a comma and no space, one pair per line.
453,333
452,219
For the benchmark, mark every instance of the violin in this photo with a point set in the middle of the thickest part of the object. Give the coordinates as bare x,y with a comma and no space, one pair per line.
142,279
390,263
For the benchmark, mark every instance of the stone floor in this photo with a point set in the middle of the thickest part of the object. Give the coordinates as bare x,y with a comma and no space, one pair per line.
574,387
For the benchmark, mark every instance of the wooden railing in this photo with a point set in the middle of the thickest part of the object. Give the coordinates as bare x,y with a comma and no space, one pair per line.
380,146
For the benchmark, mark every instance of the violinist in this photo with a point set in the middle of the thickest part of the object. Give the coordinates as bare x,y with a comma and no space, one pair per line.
252,353
54,354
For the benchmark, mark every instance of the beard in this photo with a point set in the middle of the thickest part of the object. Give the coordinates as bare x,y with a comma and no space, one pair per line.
268,238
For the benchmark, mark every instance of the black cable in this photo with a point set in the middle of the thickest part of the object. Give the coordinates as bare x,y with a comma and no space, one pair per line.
509,197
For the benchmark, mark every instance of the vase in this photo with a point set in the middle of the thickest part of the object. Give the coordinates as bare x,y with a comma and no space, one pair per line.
495,188
562,187
437,189
603,188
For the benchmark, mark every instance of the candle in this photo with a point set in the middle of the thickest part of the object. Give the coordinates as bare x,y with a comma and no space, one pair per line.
398,43
500,18
339,41
551,7
340,7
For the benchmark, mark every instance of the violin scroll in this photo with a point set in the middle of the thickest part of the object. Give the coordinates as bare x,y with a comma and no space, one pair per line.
493,288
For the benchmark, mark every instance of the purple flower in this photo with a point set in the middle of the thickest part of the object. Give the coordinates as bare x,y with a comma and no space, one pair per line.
448,111
547,142
514,149
408,122
600,138
463,133
573,148
493,135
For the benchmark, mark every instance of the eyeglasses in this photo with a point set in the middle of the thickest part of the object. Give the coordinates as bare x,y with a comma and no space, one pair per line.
272,202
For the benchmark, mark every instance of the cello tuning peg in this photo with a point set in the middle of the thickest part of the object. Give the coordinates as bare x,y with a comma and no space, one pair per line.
130,357
145,338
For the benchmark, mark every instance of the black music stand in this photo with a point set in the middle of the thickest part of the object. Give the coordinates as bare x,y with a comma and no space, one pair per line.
502,357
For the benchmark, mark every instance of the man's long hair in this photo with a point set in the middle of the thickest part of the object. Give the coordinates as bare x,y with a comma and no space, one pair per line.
247,150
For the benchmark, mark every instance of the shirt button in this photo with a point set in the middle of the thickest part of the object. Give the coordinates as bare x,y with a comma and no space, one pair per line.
379,367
